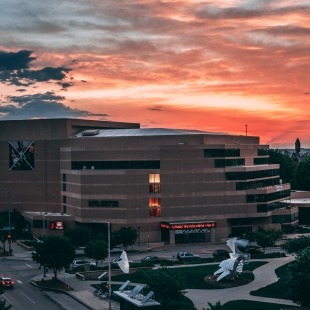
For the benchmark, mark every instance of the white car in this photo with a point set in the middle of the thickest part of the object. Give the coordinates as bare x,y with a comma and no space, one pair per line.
80,264
187,256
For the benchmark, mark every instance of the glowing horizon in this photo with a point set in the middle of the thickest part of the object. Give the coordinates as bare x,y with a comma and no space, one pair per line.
212,66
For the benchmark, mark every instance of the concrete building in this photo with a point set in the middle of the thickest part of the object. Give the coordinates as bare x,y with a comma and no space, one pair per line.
173,186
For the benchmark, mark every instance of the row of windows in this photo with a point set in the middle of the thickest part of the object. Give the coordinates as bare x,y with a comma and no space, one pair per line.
103,203
211,153
287,218
271,206
268,197
221,163
114,165
261,161
241,186
247,175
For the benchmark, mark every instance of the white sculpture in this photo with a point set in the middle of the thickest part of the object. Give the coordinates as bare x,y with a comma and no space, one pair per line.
123,262
234,265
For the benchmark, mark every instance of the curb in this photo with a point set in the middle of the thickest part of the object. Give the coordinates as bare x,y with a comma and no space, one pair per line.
59,291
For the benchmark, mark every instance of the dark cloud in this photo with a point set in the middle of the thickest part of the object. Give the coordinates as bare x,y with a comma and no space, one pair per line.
65,85
44,75
14,70
46,105
15,61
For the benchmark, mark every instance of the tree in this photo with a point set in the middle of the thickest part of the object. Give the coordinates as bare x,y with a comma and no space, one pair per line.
55,252
287,164
166,283
299,278
79,235
125,236
266,238
3,305
3,238
301,178
296,245
216,306
96,249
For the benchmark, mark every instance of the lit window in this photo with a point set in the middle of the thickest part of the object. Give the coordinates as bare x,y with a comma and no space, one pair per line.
154,183
154,178
154,202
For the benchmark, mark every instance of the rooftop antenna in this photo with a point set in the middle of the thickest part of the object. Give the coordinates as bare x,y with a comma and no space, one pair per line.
246,130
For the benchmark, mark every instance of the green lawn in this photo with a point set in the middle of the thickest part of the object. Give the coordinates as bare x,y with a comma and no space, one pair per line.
277,289
254,305
194,276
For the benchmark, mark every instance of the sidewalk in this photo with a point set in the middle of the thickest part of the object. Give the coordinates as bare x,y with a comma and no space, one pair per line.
82,292
263,276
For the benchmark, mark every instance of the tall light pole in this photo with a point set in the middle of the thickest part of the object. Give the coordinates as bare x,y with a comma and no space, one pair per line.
9,206
109,257
44,232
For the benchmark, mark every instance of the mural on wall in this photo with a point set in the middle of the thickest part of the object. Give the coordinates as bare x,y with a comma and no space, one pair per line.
21,155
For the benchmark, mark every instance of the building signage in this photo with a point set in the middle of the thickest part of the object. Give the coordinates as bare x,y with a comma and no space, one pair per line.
182,226
56,225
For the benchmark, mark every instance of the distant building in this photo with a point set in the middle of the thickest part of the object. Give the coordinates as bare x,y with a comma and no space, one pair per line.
174,186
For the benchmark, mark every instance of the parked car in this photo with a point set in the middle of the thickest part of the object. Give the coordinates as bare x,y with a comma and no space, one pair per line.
79,264
187,256
221,253
254,251
6,282
151,259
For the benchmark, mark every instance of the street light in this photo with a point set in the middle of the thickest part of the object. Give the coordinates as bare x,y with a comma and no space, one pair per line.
9,207
44,232
109,257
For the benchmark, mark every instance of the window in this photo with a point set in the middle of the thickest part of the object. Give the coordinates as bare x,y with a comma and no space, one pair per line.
221,163
103,203
268,197
221,153
252,174
154,183
261,161
115,165
154,207
154,202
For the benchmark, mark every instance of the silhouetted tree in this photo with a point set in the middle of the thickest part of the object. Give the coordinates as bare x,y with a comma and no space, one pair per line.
301,179
167,284
55,252
79,235
299,278
296,245
287,164
96,249
125,236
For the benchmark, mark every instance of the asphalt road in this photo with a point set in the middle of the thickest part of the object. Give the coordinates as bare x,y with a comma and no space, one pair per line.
26,296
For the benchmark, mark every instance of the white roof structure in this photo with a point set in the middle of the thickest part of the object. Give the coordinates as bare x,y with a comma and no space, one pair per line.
91,133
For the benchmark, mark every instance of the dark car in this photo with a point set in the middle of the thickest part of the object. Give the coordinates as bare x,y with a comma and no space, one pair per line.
187,256
151,259
254,251
221,253
6,282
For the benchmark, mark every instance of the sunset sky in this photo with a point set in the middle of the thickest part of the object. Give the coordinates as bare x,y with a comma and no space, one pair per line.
225,66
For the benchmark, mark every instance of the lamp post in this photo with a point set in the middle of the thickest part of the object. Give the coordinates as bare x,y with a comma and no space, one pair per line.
109,257
9,206
44,233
